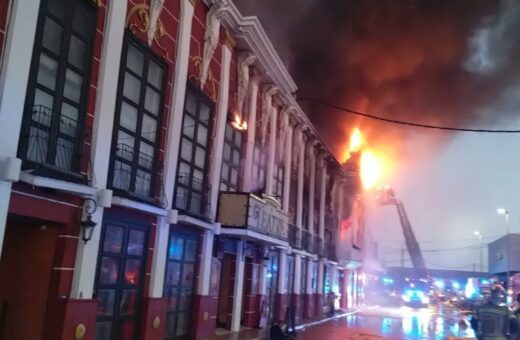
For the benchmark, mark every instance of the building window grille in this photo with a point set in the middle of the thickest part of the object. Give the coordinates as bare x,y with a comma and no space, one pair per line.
53,128
231,159
191,189
259,167
278,180
134,168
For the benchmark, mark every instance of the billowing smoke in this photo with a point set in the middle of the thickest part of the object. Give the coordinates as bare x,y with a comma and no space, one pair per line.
439,62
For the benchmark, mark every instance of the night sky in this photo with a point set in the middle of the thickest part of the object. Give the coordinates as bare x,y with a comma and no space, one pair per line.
442,62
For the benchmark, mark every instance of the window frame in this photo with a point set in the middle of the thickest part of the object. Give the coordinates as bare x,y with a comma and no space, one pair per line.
58,93
233,146
148,56
204,99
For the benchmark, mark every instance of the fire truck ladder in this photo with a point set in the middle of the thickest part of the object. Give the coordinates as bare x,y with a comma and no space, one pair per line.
412,245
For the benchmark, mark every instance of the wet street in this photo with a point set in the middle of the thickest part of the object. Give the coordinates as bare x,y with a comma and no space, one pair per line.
393,323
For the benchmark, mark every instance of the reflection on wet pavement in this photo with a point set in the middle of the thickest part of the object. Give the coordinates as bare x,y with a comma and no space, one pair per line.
407,323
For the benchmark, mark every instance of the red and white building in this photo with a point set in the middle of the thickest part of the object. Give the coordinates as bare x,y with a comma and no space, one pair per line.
172,126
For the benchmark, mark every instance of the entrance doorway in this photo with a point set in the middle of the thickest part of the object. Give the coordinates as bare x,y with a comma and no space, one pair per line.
179,285
225,295
119,280
28,254
272,285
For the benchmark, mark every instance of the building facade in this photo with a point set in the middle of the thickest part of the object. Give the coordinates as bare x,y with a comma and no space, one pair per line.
158,179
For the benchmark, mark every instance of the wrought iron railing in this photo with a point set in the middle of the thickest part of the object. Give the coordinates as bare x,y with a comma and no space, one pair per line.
192,196
53,144
307,241
294,236
139,180
330,248
316,245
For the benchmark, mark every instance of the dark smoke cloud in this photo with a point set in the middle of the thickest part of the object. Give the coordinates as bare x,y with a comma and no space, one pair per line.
447,62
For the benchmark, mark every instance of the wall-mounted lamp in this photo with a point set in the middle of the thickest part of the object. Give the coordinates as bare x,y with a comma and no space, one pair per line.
87,225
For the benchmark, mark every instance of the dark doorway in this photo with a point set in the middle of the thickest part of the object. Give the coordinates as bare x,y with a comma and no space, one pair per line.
179,285
119,280
225,296
27,258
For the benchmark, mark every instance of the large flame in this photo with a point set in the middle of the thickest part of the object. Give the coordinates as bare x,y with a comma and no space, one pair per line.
370,168
374,166
239,123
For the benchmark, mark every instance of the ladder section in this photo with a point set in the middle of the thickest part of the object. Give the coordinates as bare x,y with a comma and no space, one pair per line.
410,240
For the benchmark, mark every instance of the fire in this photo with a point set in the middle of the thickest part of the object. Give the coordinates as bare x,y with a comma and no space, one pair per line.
356,140
239,123
370,168
374,167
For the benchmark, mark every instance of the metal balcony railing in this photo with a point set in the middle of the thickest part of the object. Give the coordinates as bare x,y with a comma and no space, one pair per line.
316,245
53,144
294,236
307,241
330,251
137,180
192,196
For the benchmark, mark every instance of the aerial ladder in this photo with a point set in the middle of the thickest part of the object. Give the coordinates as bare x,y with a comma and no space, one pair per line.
387,197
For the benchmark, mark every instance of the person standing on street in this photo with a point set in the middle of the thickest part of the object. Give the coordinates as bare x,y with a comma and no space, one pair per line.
493,319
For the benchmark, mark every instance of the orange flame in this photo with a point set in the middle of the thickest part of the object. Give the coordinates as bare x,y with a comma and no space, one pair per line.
239,123
373,165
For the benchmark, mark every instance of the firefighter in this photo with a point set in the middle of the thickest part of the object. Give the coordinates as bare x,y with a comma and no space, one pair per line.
493,319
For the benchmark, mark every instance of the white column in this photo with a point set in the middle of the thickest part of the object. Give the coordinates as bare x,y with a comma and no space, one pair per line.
251,131
301,169
85,266
218,141
308,289
323,193
271,154
282,272
321,272
287,168
205,263
297,273
312,187
172,145
178,97
238,291
14,74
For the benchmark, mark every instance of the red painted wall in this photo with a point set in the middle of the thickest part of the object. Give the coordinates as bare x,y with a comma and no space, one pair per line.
4,6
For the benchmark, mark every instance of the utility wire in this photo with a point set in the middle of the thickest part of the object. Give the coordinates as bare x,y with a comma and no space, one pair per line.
401,122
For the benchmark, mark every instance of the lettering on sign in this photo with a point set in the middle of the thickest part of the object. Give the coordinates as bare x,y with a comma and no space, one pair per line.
266,219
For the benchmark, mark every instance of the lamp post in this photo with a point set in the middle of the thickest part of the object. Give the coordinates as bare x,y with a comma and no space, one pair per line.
478,234
505,212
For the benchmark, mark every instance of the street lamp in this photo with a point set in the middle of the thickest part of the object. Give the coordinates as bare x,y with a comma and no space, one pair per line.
478,234
505,212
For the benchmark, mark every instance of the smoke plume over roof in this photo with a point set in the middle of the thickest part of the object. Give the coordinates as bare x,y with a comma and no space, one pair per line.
437,62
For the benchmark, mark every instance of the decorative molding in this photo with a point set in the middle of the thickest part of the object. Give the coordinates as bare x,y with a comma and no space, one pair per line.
267,107
284,115
156,7
211,36
193,2
228,40
197,63
141,13
245,60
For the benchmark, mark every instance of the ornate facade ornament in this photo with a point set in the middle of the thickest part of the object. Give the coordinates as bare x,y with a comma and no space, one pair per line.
211,36
297,145
156,7
282,141
139,20
245,60
267,108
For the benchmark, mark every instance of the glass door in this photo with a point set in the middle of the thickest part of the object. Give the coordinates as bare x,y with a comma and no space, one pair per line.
120,275
179,283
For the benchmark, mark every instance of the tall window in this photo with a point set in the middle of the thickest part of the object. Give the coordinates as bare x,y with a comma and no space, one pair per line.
138,122
278,180
53,124
191,191
230,173
259,167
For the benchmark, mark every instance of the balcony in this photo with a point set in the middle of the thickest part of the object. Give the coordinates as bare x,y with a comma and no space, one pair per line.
330,251
134,176
307,241
192,196
316,245
52,144
255,215
294,236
